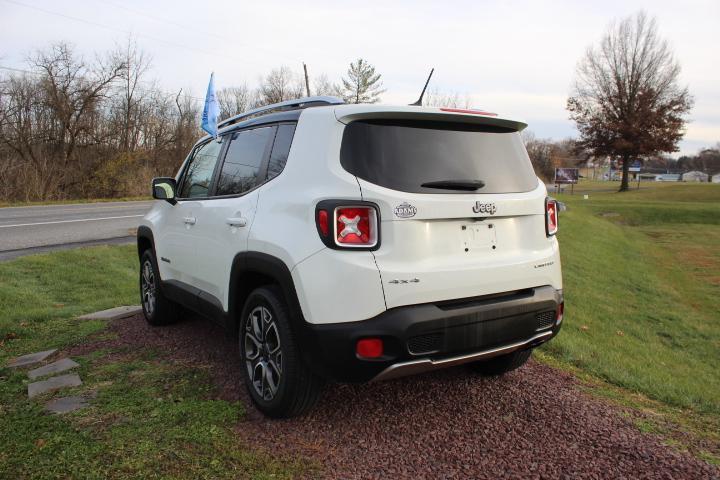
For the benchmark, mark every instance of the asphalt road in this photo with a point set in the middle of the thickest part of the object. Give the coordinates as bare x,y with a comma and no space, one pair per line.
36,229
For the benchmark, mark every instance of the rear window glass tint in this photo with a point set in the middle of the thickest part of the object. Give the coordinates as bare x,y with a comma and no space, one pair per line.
403,155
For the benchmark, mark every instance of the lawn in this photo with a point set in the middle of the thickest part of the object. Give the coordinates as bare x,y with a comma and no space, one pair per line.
150,418
641,279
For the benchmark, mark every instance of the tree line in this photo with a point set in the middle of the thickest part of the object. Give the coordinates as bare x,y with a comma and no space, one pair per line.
101,128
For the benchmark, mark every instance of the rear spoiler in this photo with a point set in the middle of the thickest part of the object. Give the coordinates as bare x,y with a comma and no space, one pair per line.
351,113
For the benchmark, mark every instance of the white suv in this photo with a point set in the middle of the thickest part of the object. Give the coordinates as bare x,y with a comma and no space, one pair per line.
357,243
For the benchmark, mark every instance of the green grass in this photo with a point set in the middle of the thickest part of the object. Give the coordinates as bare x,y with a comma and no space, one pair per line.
641,279
151,418
74,200
40,295
642,329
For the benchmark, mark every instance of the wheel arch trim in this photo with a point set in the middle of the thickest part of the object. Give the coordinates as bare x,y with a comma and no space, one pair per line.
252,262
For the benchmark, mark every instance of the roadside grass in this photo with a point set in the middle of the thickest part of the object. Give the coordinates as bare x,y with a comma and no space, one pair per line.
641,276
642,296
149,417
642,329
40,295
74,201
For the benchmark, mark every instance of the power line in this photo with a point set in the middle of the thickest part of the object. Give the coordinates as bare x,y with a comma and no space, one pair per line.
186,28
126,32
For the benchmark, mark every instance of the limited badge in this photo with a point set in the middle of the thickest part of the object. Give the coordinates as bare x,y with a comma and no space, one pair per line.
405,210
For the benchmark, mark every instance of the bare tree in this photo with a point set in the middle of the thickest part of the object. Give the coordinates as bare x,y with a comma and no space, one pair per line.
540,153
323,86
279,85
134,65
362,84
234,100
436,98
627,102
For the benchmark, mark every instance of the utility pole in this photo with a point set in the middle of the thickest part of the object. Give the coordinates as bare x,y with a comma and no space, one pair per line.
307,82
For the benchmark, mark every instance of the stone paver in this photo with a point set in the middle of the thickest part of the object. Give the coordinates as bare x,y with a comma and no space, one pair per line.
54,383
51,368
113,313
66,404
30,359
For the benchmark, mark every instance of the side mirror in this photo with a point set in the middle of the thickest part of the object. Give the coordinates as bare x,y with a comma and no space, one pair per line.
163,188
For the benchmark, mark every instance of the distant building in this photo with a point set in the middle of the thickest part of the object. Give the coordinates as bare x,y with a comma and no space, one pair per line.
716,178
694,176
668,177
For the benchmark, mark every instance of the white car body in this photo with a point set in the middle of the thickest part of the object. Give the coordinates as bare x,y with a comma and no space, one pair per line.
443,252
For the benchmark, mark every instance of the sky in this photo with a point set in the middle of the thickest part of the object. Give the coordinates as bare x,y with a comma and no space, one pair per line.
516,58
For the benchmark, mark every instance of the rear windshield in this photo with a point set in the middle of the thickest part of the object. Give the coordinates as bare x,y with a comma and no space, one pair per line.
404,155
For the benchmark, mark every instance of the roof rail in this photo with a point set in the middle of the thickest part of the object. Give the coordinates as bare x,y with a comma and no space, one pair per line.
286,105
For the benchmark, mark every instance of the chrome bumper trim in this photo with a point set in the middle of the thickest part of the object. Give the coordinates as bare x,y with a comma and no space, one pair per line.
426,364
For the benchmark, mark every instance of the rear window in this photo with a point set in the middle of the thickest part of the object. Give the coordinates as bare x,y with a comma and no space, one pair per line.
404,155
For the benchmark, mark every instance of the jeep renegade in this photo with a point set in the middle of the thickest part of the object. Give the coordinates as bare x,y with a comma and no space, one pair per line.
357,243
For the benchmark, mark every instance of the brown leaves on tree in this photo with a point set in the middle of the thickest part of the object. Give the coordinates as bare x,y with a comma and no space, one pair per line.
627,102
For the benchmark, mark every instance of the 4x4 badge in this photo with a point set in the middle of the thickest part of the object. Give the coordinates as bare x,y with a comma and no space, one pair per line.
405,210
485,208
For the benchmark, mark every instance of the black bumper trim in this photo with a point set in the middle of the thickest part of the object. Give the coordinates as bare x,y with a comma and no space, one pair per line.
470,327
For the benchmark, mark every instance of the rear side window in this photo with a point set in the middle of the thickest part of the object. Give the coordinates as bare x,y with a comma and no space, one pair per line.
243,160
404,155
281,150
199,172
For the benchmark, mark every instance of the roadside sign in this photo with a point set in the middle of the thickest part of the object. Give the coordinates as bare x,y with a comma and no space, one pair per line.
635,167
566,175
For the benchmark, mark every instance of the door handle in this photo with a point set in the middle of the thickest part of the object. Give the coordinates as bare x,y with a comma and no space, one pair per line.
189,220
236,221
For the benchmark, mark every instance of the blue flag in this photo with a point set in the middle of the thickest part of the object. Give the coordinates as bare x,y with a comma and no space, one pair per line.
211,110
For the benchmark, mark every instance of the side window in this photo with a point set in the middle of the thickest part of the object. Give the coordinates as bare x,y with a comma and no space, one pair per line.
280,151
198,175
243,160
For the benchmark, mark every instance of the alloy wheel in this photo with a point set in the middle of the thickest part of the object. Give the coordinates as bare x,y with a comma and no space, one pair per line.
263,352
147,283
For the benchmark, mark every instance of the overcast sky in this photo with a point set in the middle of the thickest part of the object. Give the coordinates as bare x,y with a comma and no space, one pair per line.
516,58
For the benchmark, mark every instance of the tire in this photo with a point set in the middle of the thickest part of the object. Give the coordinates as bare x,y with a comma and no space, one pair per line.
279,382
502,364
158,309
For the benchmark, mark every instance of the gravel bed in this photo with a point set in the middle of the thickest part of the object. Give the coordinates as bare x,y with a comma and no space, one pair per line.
532,423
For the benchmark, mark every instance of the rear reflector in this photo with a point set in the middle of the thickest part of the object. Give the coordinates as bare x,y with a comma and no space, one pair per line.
551,217
369,348
322,221
471,112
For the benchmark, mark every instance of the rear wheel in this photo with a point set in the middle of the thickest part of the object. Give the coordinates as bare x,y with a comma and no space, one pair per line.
279,382
502,364
157,308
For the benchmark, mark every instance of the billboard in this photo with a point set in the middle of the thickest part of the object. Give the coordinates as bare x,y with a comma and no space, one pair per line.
566,175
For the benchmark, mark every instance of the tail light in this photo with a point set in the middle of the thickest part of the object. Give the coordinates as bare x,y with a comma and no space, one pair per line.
559,312
551,216
348,225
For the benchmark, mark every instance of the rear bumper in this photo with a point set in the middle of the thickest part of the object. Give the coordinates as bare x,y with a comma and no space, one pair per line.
429,336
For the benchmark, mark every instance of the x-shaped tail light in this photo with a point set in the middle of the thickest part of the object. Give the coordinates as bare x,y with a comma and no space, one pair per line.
348,226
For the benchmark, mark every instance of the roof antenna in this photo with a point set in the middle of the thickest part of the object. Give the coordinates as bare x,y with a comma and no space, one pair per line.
419,100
